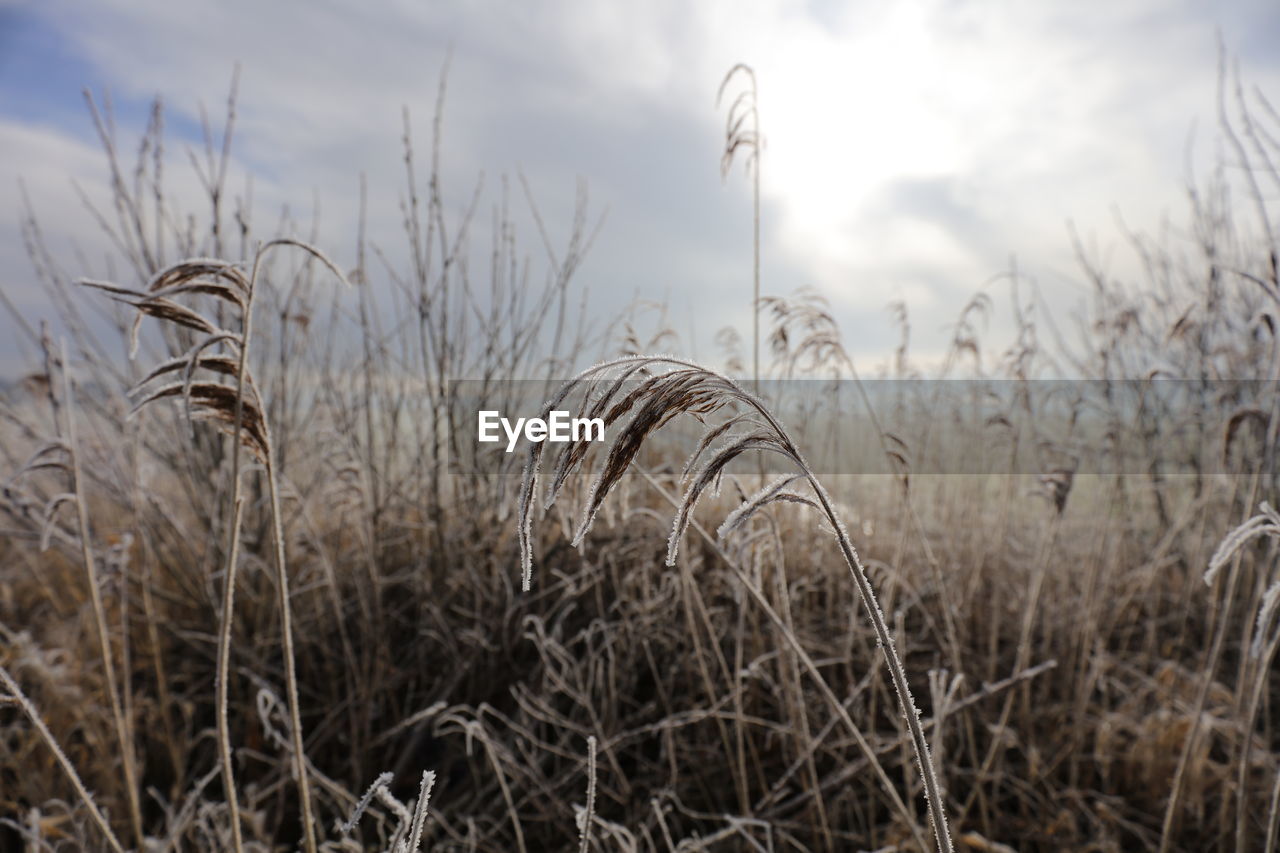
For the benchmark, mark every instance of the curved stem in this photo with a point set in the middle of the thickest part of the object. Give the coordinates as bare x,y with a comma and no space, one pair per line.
932,791
277,532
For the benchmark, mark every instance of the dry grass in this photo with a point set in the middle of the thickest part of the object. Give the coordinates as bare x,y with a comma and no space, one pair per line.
221,650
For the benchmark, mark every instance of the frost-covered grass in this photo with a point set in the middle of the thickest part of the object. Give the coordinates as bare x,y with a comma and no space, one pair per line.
245,604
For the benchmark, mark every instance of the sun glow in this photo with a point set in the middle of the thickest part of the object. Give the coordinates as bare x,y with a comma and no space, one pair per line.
847,113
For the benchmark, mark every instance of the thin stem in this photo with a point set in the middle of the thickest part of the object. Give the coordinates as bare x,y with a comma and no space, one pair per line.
932,791
282,577
228,595
589,813
1273,820
290,668
1202,695
805,660
1251,719
100,614
224,657
85,797
755,242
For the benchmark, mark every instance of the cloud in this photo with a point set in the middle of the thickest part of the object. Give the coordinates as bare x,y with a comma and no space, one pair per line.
51,163
911,147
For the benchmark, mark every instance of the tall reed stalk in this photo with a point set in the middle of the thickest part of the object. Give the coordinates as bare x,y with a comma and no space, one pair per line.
743,111
240,410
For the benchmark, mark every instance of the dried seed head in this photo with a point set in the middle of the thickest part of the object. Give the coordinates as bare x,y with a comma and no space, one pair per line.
203,275
685,388
52,455
1238,419
1265,523
708,474
770,493
1057,486
51,510
218,402
1266,612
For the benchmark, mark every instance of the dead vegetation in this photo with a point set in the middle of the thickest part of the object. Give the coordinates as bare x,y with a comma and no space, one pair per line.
318,636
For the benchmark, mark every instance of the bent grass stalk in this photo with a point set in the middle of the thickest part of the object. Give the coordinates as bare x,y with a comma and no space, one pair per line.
277,528
687,387
239,409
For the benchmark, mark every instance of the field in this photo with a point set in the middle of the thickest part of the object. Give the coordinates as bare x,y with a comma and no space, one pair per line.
260,590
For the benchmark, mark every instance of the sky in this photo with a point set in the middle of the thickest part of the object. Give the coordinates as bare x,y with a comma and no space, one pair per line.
911,148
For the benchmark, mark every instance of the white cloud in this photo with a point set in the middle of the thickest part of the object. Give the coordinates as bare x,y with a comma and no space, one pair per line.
908,144
50,162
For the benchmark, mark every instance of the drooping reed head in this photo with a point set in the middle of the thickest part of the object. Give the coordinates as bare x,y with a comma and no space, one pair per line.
639,395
